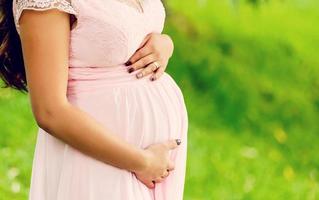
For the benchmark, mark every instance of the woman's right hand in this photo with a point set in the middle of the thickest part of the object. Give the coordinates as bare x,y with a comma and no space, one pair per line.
158,163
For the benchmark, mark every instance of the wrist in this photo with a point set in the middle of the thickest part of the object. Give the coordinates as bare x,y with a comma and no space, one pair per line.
142,161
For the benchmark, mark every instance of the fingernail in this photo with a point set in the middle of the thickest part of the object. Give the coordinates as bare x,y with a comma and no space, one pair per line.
128,63
178,141
130,70
139,75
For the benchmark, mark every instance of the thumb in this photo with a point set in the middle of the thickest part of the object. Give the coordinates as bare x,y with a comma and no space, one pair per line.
172,144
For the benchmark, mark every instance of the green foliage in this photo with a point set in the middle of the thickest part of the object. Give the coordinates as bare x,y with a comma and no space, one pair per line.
255,67
16,144
249,72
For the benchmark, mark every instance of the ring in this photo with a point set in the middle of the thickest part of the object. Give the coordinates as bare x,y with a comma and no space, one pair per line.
156,64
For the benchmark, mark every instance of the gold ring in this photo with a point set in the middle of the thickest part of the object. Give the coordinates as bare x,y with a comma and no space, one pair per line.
157,65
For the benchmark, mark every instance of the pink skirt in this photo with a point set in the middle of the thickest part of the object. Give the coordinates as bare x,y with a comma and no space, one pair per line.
140,111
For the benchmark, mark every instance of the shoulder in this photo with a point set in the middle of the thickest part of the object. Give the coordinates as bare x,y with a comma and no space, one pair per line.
19,6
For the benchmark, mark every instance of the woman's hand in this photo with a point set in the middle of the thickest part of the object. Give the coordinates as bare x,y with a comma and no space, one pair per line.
158,163
155,47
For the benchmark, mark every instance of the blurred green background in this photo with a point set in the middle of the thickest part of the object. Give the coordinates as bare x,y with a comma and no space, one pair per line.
249,73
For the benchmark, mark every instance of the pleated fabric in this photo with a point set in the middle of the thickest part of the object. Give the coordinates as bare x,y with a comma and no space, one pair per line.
140,112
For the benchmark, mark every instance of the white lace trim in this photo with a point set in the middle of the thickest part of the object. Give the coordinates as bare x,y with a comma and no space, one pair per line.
41,5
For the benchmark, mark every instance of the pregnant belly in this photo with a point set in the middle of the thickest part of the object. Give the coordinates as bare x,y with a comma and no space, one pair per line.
139,110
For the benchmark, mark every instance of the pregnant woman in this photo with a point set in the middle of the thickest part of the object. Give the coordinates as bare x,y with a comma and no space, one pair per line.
112,123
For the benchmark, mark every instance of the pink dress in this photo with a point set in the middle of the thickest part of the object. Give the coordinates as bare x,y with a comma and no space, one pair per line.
140,111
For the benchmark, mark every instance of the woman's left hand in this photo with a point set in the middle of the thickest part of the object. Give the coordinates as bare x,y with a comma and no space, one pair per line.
155,47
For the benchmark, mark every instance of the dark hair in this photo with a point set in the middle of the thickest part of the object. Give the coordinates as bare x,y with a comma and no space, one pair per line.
12,70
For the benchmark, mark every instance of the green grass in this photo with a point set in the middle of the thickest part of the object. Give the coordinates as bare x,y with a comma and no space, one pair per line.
249,73
18,134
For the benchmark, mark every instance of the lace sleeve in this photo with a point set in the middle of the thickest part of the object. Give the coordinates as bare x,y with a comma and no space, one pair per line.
41,5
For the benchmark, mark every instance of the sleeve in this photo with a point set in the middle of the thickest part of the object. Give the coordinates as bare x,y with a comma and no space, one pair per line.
42,5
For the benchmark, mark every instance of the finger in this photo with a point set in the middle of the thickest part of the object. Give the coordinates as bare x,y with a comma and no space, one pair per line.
172,144
142,45
171,166
150,68
146,38
158,73
141,63
150,184
146,182
166,173
158,180
144,51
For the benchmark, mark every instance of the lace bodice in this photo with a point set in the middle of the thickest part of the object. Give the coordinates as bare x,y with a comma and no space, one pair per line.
106,33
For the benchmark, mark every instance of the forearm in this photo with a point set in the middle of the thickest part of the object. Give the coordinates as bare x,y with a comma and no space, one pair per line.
78,129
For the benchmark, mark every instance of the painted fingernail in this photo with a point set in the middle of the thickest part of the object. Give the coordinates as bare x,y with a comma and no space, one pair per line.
139,75
178,141
128,63
130,70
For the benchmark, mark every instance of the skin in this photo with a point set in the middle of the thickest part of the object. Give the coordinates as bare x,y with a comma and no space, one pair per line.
155,47
45,38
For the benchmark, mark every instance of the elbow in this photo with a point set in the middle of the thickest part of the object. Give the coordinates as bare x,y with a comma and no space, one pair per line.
47,117
44,119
